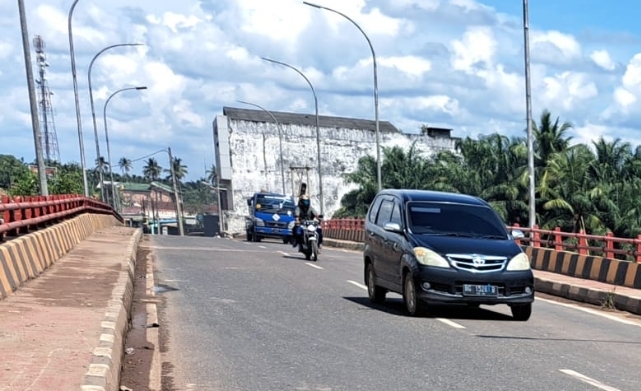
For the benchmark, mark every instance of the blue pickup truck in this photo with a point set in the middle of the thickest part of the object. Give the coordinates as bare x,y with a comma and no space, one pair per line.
271,215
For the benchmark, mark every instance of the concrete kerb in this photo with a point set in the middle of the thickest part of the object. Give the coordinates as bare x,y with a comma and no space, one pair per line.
568,291
103,373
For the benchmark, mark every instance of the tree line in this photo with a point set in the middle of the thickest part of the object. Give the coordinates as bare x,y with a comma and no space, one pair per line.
590,187
17,179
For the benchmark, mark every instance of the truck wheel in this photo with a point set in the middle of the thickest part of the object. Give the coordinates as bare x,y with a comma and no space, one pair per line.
256,237
249,235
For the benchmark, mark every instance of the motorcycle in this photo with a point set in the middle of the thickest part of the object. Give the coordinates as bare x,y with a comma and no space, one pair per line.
309,247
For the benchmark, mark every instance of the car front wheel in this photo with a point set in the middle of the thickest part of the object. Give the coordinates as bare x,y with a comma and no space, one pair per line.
521,312
413,304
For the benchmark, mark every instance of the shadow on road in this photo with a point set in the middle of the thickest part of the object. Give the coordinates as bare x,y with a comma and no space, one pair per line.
396,307
559,339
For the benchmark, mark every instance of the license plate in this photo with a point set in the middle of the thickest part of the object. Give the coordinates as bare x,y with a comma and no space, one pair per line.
480,290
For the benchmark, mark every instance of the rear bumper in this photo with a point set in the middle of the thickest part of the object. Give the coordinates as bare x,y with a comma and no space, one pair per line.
446,286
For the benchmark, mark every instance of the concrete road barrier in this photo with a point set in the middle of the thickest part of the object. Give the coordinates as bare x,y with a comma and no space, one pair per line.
26,257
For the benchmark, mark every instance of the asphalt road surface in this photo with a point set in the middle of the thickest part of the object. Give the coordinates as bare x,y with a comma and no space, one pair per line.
257,316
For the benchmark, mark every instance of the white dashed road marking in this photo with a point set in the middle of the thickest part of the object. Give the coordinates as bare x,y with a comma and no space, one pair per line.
593,312
588,380
262,246
357,284
450,323
446,321
284,253
314,266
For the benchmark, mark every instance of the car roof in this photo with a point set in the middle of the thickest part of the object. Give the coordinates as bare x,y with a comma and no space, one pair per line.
408,195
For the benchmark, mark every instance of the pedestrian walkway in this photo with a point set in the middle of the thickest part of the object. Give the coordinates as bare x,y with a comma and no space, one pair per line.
573,288
51,326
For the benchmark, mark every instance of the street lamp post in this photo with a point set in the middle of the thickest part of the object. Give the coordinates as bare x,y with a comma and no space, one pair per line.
318,151
75,93
378,140
280,140
528,108
93,112
35,123
104,114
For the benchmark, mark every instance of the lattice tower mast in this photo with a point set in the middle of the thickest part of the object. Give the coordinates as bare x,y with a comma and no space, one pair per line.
50,138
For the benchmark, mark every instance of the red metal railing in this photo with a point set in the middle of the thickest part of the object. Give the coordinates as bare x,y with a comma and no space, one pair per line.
20,215
607,246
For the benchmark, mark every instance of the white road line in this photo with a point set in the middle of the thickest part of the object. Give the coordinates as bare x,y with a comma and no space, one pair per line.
591,311
357,284
262,246
284,253
588,380
450,323
312,265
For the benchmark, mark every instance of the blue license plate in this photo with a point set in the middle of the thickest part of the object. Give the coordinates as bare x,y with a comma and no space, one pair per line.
480,290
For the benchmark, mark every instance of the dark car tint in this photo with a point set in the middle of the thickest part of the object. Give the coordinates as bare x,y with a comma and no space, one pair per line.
452,218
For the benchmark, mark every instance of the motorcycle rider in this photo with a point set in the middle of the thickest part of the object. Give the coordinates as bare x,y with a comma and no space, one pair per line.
304,211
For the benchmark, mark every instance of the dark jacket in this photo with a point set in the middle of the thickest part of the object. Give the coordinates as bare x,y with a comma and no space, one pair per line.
311,213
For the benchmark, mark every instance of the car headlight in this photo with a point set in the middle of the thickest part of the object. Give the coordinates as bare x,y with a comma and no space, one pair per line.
259,222
291,224
428,257
519,262
311,228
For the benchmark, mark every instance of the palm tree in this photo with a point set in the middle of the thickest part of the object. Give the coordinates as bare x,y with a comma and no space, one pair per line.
125,166
212,176
180,169
151,171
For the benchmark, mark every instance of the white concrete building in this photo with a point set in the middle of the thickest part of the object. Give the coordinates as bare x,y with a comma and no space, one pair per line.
248,156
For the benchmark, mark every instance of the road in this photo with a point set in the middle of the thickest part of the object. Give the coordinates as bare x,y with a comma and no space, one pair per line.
257,316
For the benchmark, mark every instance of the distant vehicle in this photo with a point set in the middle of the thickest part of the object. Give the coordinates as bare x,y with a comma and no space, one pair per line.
437,247
271,215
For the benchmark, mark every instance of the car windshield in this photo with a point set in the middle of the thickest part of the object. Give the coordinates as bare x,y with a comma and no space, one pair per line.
274,204
436,218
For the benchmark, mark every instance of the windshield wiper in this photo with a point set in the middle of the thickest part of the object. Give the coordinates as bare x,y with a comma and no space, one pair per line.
492,237
459,234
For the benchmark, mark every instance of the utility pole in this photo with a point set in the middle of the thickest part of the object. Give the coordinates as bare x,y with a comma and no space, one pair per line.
37,136
179,214
528,106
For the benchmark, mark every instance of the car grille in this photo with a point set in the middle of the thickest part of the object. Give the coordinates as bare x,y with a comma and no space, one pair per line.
477,263
273,224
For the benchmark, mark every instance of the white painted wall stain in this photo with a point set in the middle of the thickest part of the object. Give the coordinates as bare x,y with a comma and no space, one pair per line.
340,151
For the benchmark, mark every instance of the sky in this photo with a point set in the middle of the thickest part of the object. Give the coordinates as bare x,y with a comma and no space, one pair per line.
456,64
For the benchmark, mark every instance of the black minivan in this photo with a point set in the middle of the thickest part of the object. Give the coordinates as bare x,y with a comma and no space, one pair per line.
437,247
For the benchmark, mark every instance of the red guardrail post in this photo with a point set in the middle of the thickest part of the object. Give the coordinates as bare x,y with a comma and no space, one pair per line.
583,243
558,239
535,237
638,252
609,245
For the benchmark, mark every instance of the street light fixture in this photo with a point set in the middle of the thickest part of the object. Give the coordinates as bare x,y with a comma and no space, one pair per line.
280,141
378,142
318,151
75,93
104,114
528,108
93,111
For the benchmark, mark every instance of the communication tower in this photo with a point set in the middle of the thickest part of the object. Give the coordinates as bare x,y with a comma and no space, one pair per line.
48,124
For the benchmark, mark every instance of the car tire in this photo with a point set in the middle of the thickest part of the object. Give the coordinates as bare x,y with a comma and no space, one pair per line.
413,305
376,293
521,312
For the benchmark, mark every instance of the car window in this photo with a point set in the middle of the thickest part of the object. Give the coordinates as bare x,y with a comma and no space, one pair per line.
396,214
385,213
374,209
454,219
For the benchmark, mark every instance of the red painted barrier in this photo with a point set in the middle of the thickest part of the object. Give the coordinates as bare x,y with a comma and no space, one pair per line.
606,246
20,215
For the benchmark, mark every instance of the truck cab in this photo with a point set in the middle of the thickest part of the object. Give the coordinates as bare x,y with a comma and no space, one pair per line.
271,215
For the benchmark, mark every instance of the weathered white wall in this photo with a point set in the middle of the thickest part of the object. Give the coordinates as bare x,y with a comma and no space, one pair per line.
340,152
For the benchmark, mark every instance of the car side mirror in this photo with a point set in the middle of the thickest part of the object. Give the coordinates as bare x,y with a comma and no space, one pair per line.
393,227
517,234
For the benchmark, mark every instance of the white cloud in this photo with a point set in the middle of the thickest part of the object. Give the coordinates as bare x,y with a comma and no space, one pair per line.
602,59
453,63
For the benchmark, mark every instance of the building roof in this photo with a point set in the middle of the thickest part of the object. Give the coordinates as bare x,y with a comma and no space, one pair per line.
308,119
143,187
